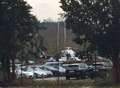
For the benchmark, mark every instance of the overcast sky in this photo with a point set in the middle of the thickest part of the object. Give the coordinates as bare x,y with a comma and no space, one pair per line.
43,9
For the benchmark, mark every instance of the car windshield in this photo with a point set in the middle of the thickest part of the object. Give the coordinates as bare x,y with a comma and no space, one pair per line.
45,69
73,66
83,65
97,65
24,69
54,64
36,69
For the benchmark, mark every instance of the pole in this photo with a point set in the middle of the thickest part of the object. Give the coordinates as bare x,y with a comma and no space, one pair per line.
58,39
65,37
95,66
21,75
58,36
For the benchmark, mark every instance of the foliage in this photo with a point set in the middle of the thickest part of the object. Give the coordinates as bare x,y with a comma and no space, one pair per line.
16,23
16,27
31,49
98,22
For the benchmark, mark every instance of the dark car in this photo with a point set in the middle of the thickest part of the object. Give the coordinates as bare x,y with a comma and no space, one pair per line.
76,71
92,72
96,71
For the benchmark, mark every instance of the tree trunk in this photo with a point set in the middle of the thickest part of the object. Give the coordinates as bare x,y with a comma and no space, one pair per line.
116,67
12,57
6,70
13,70
115,39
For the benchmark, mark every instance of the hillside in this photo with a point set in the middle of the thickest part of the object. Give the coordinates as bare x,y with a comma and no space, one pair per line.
50,37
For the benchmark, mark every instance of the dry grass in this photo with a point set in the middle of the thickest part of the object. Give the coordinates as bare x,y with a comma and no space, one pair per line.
29,83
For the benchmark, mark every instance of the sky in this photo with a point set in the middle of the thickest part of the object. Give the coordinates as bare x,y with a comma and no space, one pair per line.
44,9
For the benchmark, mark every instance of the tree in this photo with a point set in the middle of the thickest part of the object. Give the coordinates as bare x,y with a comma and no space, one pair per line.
16,23
98,21
31,49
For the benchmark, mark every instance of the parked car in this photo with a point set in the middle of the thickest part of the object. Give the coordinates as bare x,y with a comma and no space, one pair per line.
39,73
56,67
76,70
31,72
56,70
24,72
49,73
103,65
92,72
54,64
98,66
97,71
52,69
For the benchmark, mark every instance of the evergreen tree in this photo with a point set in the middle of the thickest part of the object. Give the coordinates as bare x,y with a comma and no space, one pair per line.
16,23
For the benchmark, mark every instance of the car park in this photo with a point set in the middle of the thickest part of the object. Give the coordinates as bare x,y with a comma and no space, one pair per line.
30,72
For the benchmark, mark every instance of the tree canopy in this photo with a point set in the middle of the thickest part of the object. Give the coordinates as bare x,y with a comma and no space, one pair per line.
98,22
95,20
16,27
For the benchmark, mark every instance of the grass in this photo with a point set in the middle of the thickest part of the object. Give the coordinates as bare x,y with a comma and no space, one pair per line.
76,84
65,84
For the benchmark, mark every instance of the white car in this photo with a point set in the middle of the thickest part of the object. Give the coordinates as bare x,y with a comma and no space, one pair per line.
49,73
55,69
24,73
28,74
39,73
82,66
31,72
55,63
